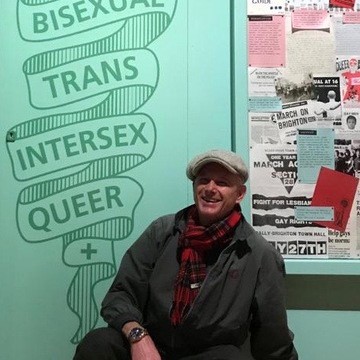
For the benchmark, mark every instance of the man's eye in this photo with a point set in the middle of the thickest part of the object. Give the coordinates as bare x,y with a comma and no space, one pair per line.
221,183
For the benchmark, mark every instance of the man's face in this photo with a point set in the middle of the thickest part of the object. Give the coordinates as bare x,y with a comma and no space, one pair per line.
216,191
351,122
353,64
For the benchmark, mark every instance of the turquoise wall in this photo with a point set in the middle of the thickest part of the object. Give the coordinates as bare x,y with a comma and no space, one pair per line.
102,108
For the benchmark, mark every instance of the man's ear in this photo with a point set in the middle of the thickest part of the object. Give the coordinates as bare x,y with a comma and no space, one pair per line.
242,192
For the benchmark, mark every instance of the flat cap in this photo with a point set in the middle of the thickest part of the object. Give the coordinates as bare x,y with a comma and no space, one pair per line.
228,159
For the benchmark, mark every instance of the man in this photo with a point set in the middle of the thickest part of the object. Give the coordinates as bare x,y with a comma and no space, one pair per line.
351,122
330,109
196,283
350,82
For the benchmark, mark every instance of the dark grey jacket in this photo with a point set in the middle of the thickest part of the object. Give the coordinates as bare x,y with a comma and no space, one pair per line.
243,291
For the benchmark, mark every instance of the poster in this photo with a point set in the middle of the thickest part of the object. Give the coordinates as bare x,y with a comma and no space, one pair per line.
274,202
304,115
347,67
266,47
327,102
293,116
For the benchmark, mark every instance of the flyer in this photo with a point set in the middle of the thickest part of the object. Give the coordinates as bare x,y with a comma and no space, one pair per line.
266,45
328,193
274,201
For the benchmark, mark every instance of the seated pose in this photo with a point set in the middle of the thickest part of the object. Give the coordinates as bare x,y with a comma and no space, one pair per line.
197,283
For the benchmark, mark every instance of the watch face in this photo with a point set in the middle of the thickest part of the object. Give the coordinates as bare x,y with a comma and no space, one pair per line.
136,334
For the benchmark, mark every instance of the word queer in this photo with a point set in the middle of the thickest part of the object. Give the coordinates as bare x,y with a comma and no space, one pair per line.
78,205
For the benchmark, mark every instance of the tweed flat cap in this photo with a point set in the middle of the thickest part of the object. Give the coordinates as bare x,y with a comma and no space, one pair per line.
228,159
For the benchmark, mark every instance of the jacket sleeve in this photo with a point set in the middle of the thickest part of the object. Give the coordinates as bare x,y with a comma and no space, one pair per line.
271,338
127,297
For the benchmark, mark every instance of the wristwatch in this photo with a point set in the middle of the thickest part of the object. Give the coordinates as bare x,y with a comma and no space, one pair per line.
136,334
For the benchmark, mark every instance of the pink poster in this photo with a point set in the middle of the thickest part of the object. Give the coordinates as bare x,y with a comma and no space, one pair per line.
305,19
348,69
266,46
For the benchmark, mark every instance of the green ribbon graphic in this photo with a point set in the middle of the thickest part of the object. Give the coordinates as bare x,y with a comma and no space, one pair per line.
91,209
44,20
80,296
88,140
81,152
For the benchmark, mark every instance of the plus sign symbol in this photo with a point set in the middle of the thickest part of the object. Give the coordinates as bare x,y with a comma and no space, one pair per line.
88,251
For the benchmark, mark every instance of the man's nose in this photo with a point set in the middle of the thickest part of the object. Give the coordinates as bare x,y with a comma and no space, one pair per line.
210,186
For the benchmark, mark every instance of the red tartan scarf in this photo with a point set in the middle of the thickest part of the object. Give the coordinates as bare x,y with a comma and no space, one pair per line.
194,243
